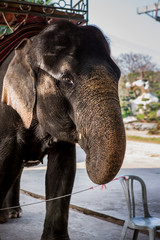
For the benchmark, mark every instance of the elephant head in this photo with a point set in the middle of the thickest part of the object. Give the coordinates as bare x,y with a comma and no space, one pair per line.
66,78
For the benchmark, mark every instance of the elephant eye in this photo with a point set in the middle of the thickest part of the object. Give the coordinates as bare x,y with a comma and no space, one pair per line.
68,79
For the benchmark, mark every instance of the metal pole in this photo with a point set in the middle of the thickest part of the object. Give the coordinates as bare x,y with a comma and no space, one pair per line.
87,3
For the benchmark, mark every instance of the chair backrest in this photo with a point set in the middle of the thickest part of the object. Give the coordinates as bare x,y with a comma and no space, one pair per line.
127,182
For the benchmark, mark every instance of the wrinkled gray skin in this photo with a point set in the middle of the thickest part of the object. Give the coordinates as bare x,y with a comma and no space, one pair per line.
64,86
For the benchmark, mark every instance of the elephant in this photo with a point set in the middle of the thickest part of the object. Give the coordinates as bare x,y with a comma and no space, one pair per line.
58,89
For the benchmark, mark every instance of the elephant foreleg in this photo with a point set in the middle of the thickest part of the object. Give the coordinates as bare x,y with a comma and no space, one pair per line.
13,198
59,181
10,169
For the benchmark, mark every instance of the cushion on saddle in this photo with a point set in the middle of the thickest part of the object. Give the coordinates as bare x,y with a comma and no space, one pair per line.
9,42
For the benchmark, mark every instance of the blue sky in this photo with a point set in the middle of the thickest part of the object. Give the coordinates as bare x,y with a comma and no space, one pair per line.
127,31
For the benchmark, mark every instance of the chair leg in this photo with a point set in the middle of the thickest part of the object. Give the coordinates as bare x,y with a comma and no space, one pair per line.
135,235
152,234
124,230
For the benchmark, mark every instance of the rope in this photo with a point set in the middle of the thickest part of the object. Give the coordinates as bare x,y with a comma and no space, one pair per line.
48,200
60,197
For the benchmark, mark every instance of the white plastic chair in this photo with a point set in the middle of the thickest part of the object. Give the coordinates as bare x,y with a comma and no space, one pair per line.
146,222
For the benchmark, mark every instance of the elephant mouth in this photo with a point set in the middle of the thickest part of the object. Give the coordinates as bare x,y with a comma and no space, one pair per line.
31,163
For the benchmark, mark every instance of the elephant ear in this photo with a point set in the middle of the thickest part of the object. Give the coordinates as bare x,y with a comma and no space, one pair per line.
19,84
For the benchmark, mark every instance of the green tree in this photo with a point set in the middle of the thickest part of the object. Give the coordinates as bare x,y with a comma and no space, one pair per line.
149,112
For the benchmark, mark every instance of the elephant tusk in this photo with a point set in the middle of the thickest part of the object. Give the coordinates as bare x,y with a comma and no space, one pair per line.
80,136
55,139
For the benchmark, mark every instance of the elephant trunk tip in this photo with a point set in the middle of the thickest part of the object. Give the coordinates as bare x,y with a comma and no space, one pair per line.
104,170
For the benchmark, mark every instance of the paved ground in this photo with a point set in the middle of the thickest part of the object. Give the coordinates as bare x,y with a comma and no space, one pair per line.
142,159
81,227
144,133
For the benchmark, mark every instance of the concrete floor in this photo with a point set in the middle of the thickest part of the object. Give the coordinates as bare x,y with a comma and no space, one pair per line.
81,227
141,159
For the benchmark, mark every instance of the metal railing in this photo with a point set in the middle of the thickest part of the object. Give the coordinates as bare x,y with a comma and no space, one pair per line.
68,9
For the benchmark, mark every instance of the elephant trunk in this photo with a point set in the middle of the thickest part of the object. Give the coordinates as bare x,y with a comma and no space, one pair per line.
106,149
102,134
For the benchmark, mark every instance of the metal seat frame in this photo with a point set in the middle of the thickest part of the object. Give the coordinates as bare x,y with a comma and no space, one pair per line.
146,222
